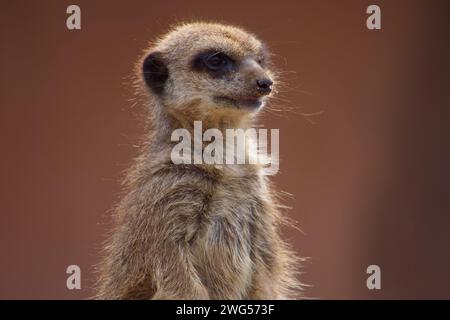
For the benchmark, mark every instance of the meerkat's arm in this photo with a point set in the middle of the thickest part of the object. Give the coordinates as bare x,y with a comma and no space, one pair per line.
177,277
175,223
277,284
152,246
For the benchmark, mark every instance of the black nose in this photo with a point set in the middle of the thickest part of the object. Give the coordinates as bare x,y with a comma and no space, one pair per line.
264,86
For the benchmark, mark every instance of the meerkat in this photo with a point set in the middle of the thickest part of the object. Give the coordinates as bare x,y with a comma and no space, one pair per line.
199,231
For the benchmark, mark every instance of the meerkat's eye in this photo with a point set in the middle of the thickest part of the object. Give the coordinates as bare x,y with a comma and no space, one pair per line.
217,61
214,62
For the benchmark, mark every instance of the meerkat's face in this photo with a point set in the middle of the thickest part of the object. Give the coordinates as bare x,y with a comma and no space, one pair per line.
206,66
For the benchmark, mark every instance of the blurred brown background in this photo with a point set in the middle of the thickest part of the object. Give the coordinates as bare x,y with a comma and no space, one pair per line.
369,178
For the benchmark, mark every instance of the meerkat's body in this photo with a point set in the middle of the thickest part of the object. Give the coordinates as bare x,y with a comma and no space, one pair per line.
198,231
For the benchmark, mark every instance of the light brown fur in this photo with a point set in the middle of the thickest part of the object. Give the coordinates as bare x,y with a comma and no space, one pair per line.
197,231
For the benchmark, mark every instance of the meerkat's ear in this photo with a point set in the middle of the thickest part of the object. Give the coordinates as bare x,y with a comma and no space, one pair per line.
155,72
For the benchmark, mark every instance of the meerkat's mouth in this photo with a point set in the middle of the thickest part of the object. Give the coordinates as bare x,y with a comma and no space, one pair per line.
250,103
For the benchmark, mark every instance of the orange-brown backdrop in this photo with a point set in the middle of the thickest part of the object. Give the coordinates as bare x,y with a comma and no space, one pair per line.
369,176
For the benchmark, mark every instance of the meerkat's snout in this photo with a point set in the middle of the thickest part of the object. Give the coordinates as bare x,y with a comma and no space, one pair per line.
264,85
260,83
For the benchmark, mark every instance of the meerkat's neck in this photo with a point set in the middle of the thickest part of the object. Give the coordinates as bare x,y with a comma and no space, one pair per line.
211,118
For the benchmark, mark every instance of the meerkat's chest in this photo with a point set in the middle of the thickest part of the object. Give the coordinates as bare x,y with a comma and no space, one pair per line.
225,248
235,207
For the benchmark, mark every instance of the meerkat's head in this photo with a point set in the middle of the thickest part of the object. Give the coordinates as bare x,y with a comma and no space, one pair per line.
207,67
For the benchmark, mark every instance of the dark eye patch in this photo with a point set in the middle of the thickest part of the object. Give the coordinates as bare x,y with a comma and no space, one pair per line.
214,62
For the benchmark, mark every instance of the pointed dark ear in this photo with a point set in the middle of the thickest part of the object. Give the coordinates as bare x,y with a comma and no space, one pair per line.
155,72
